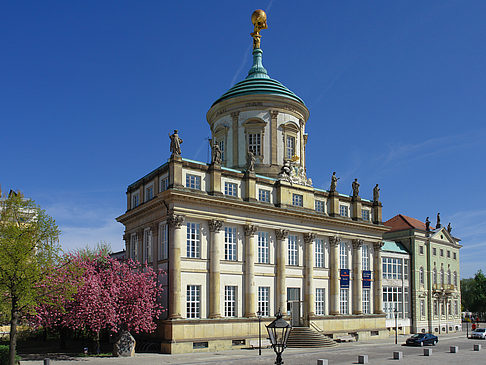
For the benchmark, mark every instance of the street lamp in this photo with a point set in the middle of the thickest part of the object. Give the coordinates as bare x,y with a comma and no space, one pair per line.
396,326
279,331
259,314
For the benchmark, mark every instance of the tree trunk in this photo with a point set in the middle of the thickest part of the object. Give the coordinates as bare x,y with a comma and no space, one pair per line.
13,333
98,349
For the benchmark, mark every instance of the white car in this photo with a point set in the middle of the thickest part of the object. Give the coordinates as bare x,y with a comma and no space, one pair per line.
479,333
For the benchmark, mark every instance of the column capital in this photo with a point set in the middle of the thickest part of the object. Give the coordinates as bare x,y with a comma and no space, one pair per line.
250,229
309,237
334,240
273,114
175,220
357,243
215,225
378,245
281,233
235,115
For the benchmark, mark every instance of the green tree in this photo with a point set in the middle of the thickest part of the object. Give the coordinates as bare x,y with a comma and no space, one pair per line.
473,293
29,250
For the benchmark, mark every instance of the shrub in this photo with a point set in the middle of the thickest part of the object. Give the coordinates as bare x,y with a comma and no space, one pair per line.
4,355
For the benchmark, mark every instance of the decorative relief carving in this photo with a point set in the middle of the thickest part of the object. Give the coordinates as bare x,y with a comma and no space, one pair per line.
293,172
254,104
357,243
281,234
215,225
250,229
221,111
309,237
274,114
175,220
334,240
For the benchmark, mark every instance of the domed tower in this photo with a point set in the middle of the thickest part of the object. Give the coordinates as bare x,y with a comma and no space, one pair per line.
261,115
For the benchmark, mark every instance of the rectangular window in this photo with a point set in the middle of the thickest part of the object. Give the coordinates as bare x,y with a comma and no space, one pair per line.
434,251
164,184
319,205
319,251
193,181
264,195
230,243
293,251
230,301
163,242
255,143
421,250
393,300
290,147
456,307
193,301
343,211
366,301
263,248
264,300
193,240
448,254
365,214
442,252
344,301
365,257
147,245
230,189
221,148
343,256
436,308
297,200
135,200
405,303
454,256
134,246
422,308
405,269
320,302
149,192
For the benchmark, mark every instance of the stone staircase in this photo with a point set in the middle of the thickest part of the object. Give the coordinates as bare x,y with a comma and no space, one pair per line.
302,337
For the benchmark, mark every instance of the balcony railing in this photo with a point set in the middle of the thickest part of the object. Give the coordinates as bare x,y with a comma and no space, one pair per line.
446,287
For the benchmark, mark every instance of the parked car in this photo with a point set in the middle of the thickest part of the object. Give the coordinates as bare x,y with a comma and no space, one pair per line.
422,339
479,333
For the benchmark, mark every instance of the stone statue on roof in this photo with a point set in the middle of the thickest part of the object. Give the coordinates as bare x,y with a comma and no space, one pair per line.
376,194
334,180
175,143
250,161
438,221
427,224
355,186
449,227
216,154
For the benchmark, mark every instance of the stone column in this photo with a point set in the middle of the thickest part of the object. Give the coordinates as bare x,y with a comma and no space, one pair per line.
334,274
309,302
281,293
176,238
357,278
215,269
250,288
140,245
377,278
155,245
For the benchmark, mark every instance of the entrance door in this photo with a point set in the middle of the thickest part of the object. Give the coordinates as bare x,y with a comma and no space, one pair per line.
293,305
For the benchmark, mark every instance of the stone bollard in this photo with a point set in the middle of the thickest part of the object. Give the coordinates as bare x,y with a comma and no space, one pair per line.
397,355
322,362
454,349
477,347
362,359
427,352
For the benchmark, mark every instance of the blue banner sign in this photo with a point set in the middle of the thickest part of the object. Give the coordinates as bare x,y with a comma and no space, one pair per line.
344,278
366,279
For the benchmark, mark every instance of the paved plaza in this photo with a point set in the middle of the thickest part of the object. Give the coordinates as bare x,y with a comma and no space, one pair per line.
379,352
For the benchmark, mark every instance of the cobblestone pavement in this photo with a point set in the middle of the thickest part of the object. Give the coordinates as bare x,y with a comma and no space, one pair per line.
379,352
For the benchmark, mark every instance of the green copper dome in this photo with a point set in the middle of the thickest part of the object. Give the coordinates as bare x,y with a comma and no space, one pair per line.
258,82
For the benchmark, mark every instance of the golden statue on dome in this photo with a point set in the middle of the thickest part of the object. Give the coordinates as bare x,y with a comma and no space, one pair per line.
259,20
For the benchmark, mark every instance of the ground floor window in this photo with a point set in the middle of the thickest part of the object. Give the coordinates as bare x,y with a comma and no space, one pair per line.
230,301
320,303
193,301
344,301
366,301
392,301
264,300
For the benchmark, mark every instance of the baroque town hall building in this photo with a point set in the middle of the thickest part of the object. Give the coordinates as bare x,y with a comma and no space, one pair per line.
248,234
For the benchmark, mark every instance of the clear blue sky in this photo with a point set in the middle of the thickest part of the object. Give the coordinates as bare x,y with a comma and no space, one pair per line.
89,91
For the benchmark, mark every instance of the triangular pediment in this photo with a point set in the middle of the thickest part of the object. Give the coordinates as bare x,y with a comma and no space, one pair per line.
442,234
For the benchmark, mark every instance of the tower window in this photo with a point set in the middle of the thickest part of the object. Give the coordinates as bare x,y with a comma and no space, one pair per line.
290,147
255,143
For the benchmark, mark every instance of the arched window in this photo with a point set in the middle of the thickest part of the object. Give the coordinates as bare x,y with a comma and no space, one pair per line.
442,276
449,277
434,273
455,278
421,275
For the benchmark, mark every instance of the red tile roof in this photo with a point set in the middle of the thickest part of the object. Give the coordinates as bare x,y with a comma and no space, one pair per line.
400,222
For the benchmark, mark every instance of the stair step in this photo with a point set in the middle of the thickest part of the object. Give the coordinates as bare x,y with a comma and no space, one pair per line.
303,337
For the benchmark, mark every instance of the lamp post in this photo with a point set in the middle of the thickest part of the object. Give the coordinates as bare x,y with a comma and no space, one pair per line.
259,314
279,331
396,326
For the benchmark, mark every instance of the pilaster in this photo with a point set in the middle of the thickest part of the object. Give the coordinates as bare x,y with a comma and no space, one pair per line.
334,274
377,278
309,302
215,179
250,292
215,268
377,207
356,208
357,277
175,172
334,204
176,238
250,187
281,302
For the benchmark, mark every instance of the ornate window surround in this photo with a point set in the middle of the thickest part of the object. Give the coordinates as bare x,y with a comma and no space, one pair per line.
255,125
291,129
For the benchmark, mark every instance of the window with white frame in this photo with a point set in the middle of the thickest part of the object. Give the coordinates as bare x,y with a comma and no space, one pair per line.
366,301
290,147
319,206
392,268
263,248
434,275
449,279
135,199
365,214
163,241
264,300
455,278
405,303
365,257
422,308
319,252
255,143
193,301
230,301
221,148
193,181
230,189
392,301
344,211
230,243
343,255
344,301
193,240
405,269
422,277
298,200
149,192
320,302
456,307
164,183
264,195
421,249
436,308
293,251
133,246
442,276
147,245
